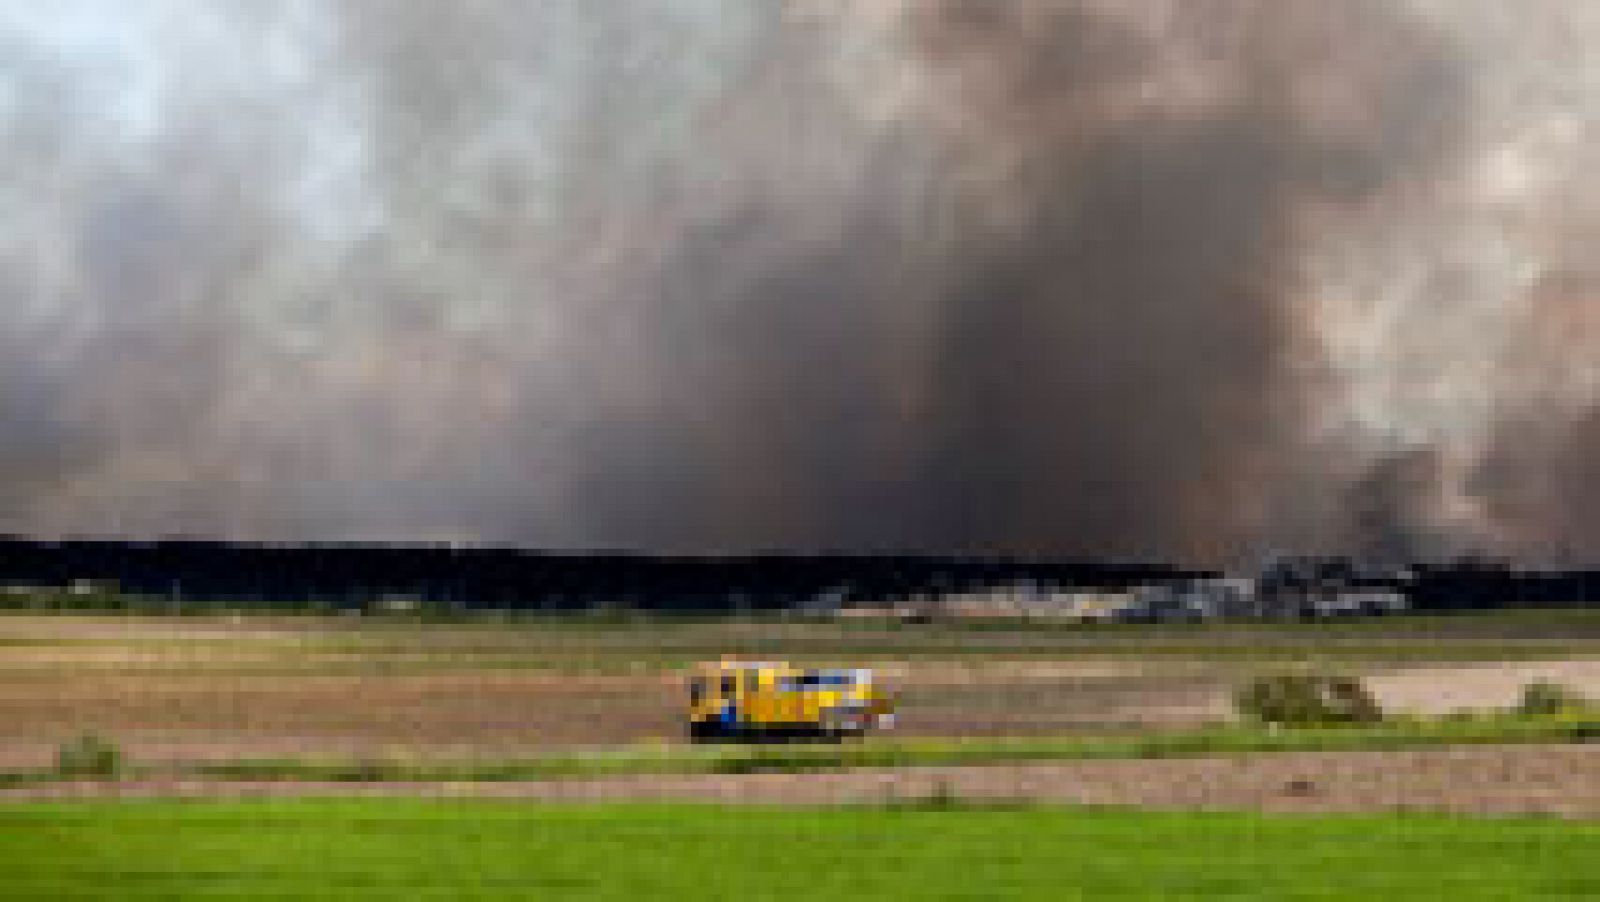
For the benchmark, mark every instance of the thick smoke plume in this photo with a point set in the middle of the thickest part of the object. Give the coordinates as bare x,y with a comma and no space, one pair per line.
1184,279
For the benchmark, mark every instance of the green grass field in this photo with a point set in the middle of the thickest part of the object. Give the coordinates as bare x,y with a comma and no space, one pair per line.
801,758
406,849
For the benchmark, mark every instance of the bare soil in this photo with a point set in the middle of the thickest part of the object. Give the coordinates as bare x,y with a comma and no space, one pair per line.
1439,689
171,718
189,718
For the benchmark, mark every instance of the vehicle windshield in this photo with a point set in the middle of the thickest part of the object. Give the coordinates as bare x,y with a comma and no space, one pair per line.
819,680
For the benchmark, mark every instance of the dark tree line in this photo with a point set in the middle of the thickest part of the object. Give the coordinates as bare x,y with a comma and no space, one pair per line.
348,575
518,579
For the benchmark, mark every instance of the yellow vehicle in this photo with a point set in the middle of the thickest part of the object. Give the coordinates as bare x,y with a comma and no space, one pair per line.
751,700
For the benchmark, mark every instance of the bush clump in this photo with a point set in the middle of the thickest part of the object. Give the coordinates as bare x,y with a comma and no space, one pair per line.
1543,698
1306,700
89,756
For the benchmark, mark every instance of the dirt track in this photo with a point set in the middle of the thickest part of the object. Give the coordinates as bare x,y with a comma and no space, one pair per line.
1561,780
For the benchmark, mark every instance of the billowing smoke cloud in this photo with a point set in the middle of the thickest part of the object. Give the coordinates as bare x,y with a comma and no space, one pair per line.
1174,278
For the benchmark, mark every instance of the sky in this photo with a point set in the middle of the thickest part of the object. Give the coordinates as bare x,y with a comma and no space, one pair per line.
1163,279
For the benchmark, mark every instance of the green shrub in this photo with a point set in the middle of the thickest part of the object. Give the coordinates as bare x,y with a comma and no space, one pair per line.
89,756
369,769
1464,715
944,796
1305,699
1543,698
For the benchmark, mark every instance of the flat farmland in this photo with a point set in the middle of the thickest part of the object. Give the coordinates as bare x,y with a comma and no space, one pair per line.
230,687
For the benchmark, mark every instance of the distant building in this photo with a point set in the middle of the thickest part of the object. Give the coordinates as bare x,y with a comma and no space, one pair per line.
1303,591
1329,587
1195,600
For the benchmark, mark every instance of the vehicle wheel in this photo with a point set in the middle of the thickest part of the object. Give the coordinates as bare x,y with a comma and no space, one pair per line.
835,729
704,731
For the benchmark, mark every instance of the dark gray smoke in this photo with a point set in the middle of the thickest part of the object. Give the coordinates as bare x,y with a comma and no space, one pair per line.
1540,474
1163,278
1122,368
